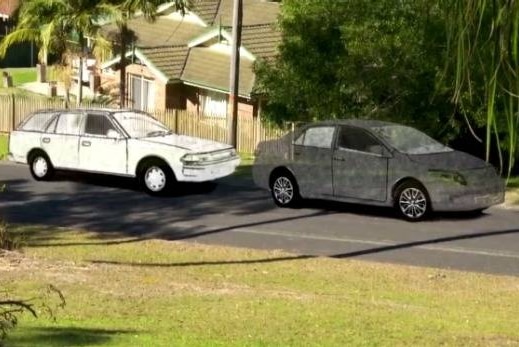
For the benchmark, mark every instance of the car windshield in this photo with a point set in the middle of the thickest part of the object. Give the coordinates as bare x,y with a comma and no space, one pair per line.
409,140
140,124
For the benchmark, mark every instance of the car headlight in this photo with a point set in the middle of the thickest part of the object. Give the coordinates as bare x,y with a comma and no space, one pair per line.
193,158
450,176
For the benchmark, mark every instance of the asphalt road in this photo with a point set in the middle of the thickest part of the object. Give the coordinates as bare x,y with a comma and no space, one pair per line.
238,214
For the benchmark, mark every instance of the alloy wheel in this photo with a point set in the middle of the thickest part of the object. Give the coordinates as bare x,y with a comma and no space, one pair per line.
413,203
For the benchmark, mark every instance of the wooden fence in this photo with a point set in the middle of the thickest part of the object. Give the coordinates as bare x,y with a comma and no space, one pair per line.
14,109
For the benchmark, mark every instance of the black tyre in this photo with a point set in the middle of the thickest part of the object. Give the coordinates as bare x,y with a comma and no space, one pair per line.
412,201
156,177
40,166
284,189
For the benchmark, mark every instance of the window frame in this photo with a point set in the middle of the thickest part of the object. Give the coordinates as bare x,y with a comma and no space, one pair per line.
81,123
31,116
110,119
337,147
208,96
303,136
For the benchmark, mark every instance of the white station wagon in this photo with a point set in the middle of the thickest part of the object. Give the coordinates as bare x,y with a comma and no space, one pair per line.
118,142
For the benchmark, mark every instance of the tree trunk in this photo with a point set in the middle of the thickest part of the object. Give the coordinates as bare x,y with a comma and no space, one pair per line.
80,72
122,71
80,81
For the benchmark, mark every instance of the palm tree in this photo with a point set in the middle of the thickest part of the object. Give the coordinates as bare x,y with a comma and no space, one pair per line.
35,24
59,26
128,9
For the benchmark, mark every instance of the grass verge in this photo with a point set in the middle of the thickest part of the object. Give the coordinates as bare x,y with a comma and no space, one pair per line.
4,140
130,292
512,191
245,168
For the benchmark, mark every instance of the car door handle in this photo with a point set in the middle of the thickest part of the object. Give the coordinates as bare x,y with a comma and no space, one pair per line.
46,140
85,143
339,159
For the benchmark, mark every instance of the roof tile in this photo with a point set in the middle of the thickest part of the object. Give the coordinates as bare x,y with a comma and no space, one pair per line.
209,68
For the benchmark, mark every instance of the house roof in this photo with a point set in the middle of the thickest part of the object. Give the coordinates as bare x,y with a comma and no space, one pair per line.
7,7
210,68
214,12
185,48
163,31
254,12
206,9
169,60
261,40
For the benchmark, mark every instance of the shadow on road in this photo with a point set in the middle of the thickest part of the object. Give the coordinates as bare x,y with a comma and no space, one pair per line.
367,251
92,203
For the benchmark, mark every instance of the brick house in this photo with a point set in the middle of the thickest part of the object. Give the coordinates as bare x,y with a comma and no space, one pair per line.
183,62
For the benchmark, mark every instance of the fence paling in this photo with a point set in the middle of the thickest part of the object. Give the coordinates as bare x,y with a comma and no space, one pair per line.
14,109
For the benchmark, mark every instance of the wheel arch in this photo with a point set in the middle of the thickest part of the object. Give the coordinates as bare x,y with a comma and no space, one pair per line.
140,164
37,150
278,170
406,179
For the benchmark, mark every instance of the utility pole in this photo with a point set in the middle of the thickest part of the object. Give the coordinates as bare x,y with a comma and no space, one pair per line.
232,119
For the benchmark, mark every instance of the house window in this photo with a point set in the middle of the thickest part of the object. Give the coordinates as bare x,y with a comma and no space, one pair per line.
213,103
141,93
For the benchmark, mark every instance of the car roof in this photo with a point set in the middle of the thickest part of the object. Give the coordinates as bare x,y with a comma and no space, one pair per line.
362,123
88,109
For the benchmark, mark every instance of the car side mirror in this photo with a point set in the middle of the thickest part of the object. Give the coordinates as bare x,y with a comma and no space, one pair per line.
113,134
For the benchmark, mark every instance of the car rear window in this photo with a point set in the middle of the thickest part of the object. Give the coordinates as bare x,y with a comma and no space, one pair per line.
36,122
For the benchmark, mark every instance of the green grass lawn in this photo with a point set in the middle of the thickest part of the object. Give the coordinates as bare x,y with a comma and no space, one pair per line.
3,145
22,75
129,292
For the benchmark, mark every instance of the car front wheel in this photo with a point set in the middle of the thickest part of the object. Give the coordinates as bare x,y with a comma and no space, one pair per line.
41,167
412,201
284,190
156,178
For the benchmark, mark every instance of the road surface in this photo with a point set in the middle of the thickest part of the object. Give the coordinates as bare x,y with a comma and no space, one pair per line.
236,213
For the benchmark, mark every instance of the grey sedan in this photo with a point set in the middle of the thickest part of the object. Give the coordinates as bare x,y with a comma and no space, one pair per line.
375,163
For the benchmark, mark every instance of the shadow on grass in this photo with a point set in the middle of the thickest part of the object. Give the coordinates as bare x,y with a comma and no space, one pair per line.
39,238
64,336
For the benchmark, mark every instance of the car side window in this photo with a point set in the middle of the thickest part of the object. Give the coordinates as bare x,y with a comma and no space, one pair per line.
37,122
98,124
320,137
51,128
69,124
358,140
299,140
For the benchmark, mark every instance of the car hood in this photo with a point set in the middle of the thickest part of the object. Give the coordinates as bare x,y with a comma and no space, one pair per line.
190,143
453,160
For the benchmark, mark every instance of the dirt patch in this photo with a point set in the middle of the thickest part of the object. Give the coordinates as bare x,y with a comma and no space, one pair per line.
24,265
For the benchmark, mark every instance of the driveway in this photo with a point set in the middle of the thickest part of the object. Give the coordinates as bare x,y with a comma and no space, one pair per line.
236,213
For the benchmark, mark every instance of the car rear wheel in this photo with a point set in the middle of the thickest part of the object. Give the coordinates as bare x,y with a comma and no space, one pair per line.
412,201
41,167
156,178
285,192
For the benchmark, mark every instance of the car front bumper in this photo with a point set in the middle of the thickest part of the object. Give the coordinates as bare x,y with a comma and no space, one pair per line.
204,173
468,198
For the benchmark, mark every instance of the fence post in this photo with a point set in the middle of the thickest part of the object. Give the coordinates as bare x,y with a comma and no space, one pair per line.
176,121
13,112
